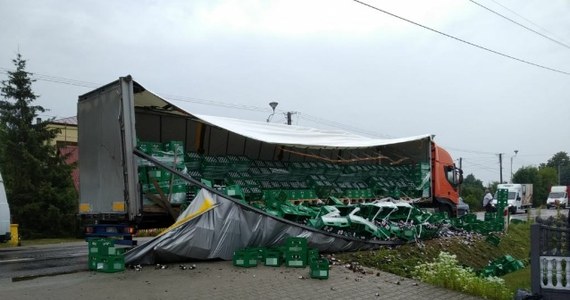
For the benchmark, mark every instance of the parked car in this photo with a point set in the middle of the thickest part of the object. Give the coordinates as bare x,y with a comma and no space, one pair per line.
462,207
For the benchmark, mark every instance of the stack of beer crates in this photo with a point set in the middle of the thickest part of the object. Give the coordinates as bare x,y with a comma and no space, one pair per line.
105,257
294,253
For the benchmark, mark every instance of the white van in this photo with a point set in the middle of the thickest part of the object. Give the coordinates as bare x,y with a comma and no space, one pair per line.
4,214
558,196
519,198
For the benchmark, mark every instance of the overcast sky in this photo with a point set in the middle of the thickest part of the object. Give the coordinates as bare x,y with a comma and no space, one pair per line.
333,60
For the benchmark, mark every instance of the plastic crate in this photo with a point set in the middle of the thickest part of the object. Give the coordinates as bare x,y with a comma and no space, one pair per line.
176,147
92,262
259,250
490,216
235,191
104,248
149,147
296,259
296,244
312,254
111,264
92,247
493,240
273,258
470,218
319,269
245,258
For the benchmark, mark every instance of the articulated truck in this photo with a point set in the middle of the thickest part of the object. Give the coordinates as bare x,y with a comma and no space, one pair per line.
121,119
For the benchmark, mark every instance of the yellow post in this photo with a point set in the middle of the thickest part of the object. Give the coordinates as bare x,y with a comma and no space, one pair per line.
15,240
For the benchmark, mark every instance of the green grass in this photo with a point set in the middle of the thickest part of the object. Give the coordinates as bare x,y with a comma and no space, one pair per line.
474,253
518,280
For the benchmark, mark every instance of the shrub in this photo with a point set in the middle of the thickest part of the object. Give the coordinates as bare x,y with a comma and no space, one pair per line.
447,273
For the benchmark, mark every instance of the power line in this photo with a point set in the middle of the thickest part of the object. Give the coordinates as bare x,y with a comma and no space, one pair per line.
464,41
481,166
470,151
522,17
87,84
213,103
519,24
56,79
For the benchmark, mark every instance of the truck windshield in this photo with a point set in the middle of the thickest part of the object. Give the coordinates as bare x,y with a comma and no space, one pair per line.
556,195
453,175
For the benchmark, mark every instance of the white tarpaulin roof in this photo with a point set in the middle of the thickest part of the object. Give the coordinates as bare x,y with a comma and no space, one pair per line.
282,134
300,136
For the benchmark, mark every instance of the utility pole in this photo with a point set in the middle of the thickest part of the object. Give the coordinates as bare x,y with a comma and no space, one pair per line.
513,156
289,114
500,167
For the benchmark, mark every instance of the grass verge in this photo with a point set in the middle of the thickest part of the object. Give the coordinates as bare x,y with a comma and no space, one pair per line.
470,250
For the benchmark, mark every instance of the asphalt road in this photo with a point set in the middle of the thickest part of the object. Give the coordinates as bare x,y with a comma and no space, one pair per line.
35,261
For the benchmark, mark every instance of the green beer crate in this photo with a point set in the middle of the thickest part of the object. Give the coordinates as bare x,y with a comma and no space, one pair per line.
93,247
149,147
176,147
111,264
92,262
259,250
296,259
312,254
245,258
320,269
273,258
493,240
296,244
104,248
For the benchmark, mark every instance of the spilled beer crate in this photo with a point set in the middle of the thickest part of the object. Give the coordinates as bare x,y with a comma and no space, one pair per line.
319,268
104,256
245,258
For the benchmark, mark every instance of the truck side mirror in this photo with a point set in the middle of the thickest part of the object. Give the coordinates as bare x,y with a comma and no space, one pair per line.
459,173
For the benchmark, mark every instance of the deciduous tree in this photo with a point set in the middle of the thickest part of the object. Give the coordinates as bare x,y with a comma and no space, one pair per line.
472,192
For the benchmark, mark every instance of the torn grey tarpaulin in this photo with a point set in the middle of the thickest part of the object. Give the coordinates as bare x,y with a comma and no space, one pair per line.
213,227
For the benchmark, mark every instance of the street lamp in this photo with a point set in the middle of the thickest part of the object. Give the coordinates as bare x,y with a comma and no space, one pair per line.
516,151
273,106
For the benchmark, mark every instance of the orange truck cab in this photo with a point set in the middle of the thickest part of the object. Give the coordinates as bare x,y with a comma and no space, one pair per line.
446,178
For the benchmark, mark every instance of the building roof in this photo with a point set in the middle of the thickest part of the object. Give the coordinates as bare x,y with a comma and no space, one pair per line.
66,121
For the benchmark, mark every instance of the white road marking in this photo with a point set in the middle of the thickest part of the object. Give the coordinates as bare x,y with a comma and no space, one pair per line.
16,260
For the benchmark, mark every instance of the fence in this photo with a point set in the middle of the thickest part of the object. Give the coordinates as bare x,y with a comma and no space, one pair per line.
550,261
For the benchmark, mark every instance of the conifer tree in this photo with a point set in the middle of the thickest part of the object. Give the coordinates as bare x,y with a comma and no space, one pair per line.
38,183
